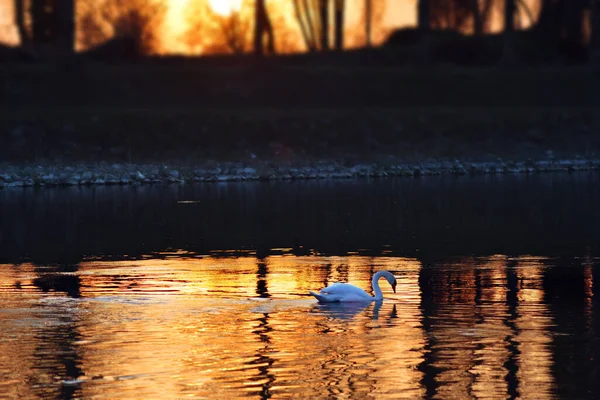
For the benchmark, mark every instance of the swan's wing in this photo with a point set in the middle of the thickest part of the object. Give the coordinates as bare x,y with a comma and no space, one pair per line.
325,298
341,292
344,289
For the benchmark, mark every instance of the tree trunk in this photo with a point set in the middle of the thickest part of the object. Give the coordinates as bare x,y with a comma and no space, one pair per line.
262,26
423,17
39,25
574,22
66,26
595,39
368,21
340,6
259,28
310,45
423,27
477,18
485,14
269,32
24,37
509,56
324,16
548,24
309,22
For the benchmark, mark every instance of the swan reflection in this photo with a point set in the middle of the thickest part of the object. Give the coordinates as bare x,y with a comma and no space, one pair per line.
348,311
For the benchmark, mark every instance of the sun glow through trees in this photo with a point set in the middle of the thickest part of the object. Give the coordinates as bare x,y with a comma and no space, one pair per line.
225,7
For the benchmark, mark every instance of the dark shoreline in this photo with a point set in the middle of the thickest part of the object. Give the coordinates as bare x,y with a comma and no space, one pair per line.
280,118
134,174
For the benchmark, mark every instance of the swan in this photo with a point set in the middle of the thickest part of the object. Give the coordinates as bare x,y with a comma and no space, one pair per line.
345,292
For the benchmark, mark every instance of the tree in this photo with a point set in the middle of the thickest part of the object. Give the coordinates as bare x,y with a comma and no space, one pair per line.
24,36
560,27
509,30
340,6
368,21
309,20
235,30
262,27
423,27
324,17
135,23
52,25
477,18
209,32
66,26
456,15
595,39
423,16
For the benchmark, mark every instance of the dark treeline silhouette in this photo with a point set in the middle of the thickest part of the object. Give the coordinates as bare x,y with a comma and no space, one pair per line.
52,25
315,21
262,26
564,30
559,30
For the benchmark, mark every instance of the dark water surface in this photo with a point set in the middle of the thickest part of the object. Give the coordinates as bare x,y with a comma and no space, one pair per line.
168,292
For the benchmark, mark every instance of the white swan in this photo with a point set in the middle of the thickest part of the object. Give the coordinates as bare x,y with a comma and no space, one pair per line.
339,292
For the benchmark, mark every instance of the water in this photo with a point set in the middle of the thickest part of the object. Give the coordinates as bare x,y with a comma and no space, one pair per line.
202,291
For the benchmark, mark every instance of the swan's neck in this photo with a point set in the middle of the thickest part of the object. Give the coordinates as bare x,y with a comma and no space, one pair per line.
375,284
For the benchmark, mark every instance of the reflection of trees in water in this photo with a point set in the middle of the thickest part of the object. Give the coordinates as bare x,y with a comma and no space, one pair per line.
59,279
505,325
56,350
568,290
263,330
262,286
492,336
263,361
427,367
510,321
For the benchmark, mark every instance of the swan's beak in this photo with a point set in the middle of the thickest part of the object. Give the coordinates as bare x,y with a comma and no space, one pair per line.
394,287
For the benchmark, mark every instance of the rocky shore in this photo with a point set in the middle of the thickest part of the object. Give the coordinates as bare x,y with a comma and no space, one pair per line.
132,174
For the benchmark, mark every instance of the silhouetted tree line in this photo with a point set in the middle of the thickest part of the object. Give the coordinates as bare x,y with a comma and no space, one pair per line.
568,27
52,27
560,26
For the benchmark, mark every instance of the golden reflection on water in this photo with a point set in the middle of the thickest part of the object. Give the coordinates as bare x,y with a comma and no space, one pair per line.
237,327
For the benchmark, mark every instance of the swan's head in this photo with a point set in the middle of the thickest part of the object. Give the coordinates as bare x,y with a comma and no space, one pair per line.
391,280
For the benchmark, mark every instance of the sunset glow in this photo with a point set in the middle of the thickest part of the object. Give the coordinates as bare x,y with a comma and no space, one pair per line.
225,7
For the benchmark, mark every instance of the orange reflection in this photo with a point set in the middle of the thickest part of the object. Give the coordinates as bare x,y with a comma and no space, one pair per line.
493,333
232,327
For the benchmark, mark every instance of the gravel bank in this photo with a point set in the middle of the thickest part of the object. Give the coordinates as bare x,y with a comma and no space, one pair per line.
132,174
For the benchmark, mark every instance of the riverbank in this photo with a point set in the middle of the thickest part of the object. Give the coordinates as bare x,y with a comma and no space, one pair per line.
125,124
134,174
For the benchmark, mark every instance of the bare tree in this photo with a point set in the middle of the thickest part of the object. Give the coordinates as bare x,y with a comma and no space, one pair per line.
368,22
423,16
509,55
137,21
310,20
477,18
262,27
424,28
235,31
324,15
52,28
339,12
209,32
24,35
66,26
309,40
595,39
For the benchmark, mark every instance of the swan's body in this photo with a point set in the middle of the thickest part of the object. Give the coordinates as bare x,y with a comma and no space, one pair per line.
345,292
